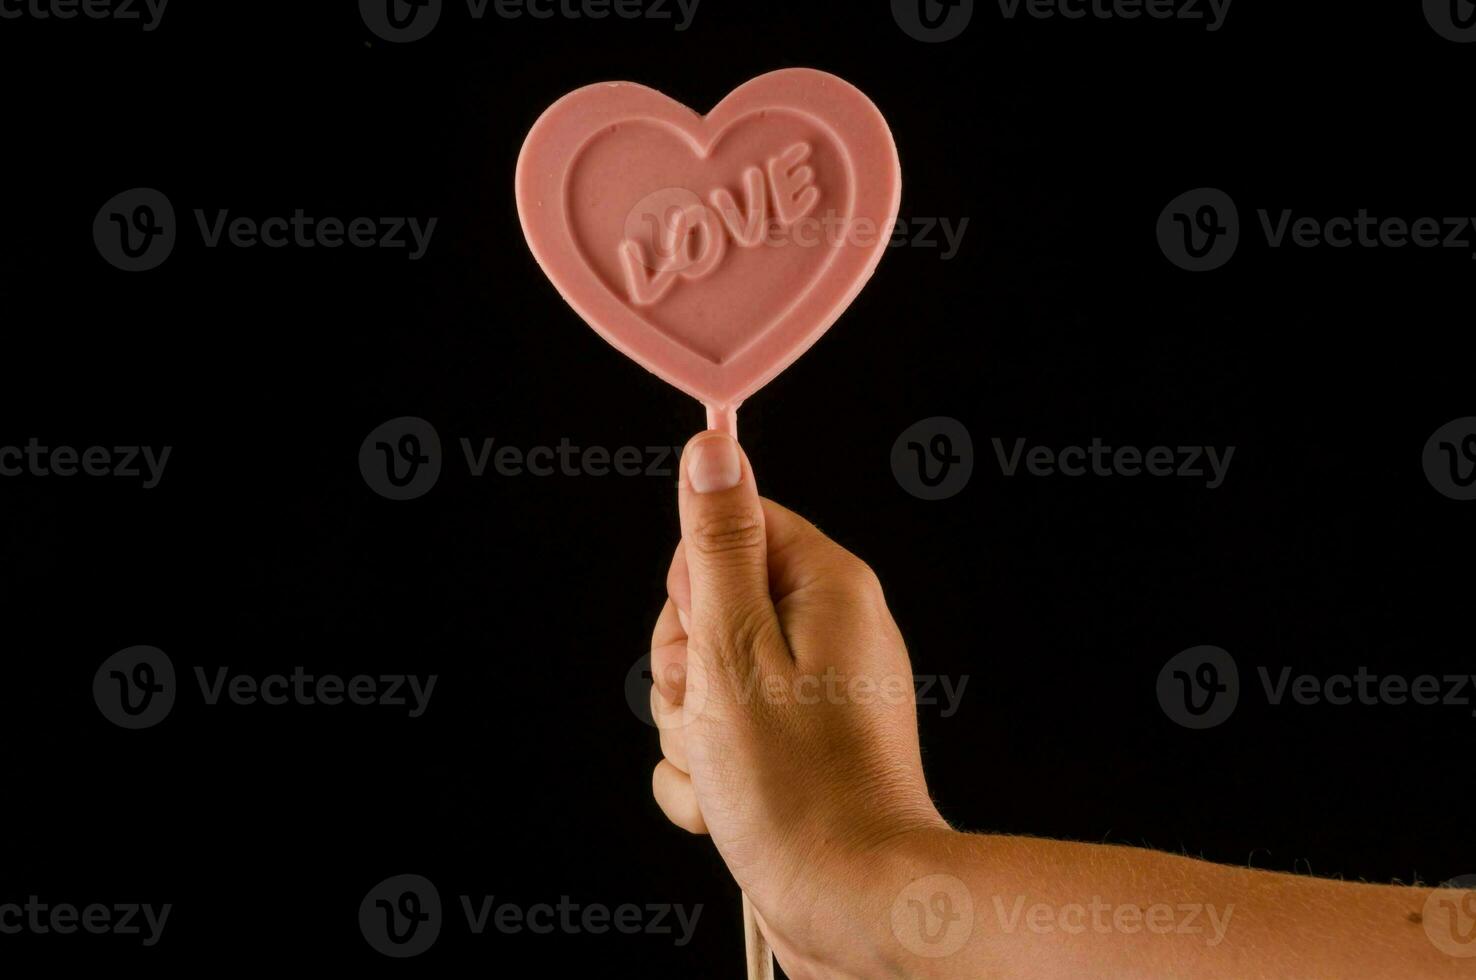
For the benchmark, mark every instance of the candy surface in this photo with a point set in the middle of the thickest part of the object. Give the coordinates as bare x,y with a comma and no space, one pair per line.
713,250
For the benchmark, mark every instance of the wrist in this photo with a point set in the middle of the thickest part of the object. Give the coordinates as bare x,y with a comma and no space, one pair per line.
925,910
888,908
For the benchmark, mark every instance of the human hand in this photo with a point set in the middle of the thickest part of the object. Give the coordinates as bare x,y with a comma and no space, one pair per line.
784,695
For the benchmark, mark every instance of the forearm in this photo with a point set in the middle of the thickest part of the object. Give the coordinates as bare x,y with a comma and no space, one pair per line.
822,812
957,905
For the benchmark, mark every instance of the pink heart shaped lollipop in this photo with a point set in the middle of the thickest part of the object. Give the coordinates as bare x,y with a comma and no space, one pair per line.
713,250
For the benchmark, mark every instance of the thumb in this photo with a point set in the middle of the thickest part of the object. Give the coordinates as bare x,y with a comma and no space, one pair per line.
723,535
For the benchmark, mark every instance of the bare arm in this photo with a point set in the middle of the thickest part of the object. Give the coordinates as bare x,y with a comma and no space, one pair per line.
784,694
1008,907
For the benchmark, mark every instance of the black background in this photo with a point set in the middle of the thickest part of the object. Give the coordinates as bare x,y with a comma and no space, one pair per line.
1060,320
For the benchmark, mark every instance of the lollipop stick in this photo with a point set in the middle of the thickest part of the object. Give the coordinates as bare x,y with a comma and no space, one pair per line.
760,960
724,418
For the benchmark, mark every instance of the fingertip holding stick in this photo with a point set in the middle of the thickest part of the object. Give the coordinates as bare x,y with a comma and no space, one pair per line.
760,958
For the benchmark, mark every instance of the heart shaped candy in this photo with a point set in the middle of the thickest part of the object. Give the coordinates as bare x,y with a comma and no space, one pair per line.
713,250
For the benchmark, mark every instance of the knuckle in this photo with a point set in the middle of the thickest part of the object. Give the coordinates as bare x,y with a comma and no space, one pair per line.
745,627
861,578
748,625
727,533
